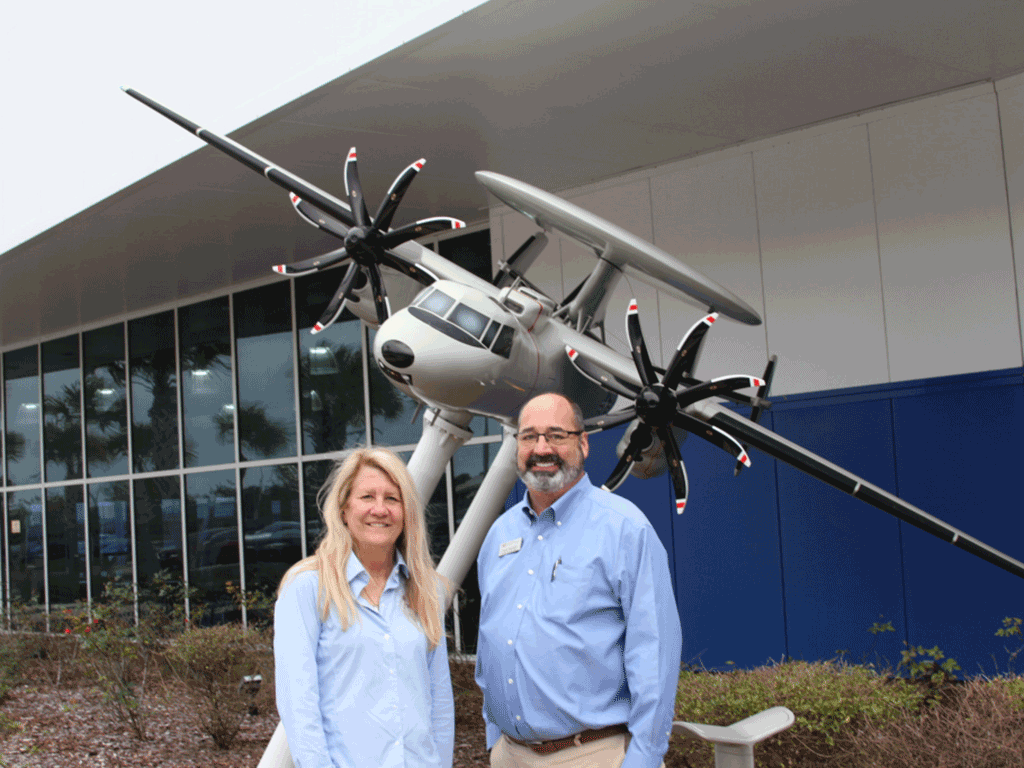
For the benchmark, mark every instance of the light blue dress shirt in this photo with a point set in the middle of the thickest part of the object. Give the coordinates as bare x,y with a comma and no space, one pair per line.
374,695
578,624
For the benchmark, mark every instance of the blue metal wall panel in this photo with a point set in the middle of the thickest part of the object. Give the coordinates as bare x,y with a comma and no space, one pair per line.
958,459
729,576
841,558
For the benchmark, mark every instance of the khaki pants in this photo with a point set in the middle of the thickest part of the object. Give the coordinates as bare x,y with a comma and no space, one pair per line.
603,753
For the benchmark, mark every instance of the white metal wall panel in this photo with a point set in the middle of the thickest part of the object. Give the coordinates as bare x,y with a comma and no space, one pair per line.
705,216
1011,117
943,229
823,296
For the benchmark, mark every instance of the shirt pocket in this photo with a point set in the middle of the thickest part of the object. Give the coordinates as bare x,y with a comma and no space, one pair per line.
569,593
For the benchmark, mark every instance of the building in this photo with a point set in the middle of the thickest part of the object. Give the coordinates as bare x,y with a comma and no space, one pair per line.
855,170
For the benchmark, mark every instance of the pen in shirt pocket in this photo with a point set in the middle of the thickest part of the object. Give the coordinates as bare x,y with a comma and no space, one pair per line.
554,570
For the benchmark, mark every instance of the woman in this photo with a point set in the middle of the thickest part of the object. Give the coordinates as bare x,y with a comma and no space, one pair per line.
359,646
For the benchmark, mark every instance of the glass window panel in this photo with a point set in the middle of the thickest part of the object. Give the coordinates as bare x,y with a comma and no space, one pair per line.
65,546
206,383
106,413
154,381
271,526
391,410
21,396
158,546
110,550
330,370
266,390
469,320
314,475
438,302
25,553
212,529
62,409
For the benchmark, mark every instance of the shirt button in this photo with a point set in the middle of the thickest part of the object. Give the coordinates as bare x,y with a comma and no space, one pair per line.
518,717
530,571
387,637
540,538
510,642
559,522
510,681
520,606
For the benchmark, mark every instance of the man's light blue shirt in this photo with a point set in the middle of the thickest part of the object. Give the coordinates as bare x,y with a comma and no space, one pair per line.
578,624
374,695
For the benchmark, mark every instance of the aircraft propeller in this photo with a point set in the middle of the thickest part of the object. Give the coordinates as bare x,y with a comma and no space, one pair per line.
366,241
660,402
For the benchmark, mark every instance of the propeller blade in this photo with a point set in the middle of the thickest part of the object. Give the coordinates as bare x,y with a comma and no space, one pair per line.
598,376
354,190
380,297
640,439
637,346
713,435
337,303
521,260
311,265
715,387
388,206
418,229
847,482
762,392
681,364
676,468
318,218
609,420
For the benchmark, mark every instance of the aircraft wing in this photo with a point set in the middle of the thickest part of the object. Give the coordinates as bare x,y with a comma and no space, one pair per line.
616,247
806,461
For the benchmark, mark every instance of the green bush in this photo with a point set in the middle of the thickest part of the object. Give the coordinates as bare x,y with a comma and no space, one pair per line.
212,662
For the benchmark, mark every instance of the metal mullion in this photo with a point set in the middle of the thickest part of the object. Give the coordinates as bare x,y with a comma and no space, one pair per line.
3,484
299,444
7,561
181,465
130,413
42,490
364,341
238,454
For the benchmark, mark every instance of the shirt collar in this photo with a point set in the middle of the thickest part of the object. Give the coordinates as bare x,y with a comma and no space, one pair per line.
563,507
354,570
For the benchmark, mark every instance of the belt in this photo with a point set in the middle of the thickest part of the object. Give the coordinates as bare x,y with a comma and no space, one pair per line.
583,737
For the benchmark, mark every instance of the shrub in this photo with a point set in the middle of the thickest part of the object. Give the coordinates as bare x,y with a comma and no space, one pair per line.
829,700
211,662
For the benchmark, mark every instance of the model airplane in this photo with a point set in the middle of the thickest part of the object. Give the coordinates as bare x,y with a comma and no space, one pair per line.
514,342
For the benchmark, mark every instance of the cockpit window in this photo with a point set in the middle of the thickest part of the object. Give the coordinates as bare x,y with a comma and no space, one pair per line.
469,320
492,329
437,302
503,345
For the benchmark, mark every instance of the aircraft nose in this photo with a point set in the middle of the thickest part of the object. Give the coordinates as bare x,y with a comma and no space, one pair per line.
397,353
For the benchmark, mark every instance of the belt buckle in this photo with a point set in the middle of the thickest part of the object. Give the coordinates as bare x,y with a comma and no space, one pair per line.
577,739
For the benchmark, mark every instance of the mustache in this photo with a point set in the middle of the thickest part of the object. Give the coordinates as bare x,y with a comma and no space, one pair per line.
549,459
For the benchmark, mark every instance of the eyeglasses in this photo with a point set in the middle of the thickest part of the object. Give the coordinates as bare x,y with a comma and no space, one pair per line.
554,437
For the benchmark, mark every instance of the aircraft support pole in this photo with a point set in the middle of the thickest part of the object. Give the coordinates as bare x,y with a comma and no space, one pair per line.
485,508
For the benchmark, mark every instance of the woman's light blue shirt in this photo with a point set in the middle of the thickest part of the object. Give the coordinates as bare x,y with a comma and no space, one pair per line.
372,696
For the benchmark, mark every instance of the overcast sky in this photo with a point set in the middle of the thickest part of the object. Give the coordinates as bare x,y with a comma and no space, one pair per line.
70,137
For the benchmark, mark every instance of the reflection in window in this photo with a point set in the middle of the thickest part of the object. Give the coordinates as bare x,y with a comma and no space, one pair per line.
158,530
25,555
110,550
469,320
154,392
270,521
330,370
207,402
503,344
437,302
62,409
106,415
212,530
266,391
65,545
314,475
21,395
391,410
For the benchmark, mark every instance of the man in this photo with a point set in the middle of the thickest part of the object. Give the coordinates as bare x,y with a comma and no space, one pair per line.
579,647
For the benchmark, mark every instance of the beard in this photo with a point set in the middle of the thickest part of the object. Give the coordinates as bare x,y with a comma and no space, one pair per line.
566,474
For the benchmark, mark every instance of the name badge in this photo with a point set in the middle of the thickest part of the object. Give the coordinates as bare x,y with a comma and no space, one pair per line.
508,547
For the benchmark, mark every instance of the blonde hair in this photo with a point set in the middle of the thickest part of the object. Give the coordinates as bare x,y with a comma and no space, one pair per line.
423,596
